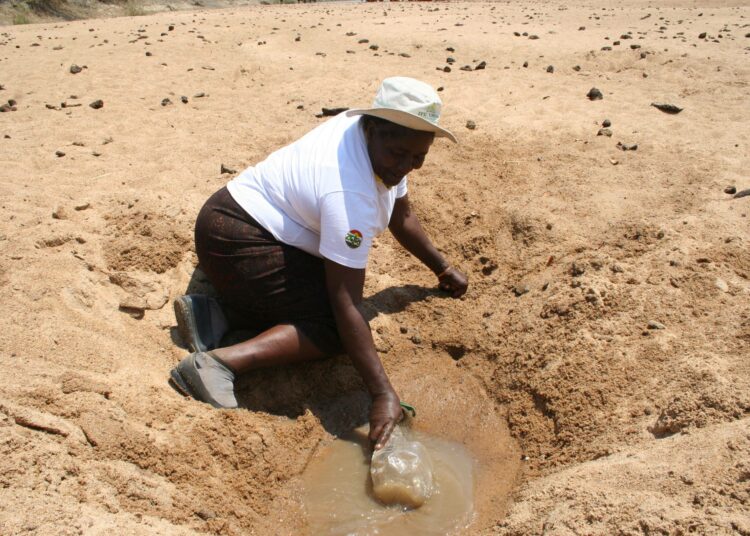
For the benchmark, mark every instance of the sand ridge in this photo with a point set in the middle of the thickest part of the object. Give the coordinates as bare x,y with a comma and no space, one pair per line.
606,331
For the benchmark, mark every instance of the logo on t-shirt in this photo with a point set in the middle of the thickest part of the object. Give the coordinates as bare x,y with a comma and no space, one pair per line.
353,239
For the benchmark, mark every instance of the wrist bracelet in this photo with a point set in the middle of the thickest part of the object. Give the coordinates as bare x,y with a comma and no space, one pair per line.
441,274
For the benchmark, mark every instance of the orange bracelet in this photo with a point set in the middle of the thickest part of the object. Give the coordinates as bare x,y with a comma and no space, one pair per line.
441,274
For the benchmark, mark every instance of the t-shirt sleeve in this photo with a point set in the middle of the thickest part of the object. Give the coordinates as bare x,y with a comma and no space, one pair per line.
346,228
401,188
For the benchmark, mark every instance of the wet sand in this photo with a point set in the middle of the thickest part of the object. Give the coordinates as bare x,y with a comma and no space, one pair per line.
606,334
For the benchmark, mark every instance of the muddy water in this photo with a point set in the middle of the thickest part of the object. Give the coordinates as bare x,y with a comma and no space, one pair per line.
339,498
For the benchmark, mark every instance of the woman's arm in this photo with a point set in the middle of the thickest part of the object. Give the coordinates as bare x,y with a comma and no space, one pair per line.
408,231
345,286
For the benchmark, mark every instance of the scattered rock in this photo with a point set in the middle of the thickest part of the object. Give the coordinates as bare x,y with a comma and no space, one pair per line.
60,213
702,35
199,95
446,69
97,104
363,41
404,55
520,289
82,206
550,69
606,123
721,285
166,101
450,59
466,68
471,125
730,190
374,47
75,69
184,99
577,270
481,65
667,108
59,154
604,132
576,68
594,94
626,146
525,64
653,324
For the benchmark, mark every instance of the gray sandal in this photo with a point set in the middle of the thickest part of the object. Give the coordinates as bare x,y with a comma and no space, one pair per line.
205,378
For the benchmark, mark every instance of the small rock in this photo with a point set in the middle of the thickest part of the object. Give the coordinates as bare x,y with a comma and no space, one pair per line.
227,170
520,290
171,27
446,69
199,95
635,46
60,213
653,324
374,47
149,54
606,123
205,515
627,147
184,99
298,38
82,206
330,112
481,65
75,69
721,285
450,59
667,108
594,94
466,68
576,68
525,64
550,69
97,104
731,190
471,125
166,101
604,132
59,154
450,49
702,35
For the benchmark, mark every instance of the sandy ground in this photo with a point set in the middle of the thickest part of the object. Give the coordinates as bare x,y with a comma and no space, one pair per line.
585,419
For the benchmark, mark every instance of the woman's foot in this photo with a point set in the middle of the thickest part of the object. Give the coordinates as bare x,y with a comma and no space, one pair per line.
205,378
200,321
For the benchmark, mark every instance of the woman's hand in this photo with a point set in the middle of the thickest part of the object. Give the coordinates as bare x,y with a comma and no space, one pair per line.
454,281
385,413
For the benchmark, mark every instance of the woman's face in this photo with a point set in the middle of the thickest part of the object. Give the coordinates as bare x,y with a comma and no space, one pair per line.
394,156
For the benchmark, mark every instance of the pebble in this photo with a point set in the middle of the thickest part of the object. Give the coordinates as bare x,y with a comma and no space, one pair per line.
446,69
721,285
627,147
730,190
374,47
577,270
471,125
466,68
166,101
594,94
604,132
667,108
97,104
481,65
184,99
59,154
550,69
702,35
227,170
653,324
520,290
525,64
606,123
75,69
450,59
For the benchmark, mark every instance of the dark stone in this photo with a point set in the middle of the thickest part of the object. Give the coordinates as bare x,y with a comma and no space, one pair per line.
525,64
330,112
374,47
59,154
702,35
627,147
450,59
363,41
606,123
446,69
471,125
550,69
604,132
481,65
450,49
227,170
594,94
576,68
99,103
667,108
731,190
466,68
166,101
75,69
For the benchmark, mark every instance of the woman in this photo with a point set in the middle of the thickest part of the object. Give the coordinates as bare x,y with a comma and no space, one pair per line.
286,242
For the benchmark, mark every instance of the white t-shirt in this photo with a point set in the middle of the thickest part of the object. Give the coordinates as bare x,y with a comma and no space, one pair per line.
320,194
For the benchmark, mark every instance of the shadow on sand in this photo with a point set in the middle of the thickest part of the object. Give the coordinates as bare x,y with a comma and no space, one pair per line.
330,388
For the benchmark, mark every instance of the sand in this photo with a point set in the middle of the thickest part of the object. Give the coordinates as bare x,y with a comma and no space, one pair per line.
573,246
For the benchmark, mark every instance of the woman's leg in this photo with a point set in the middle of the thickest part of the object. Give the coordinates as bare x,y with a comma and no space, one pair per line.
283,344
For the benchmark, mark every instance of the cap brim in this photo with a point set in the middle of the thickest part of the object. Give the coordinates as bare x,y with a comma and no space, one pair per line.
405,119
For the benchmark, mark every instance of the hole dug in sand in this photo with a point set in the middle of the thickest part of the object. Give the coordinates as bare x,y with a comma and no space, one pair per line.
467,451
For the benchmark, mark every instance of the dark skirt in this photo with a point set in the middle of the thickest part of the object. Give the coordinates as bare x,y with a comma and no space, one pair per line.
262,281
